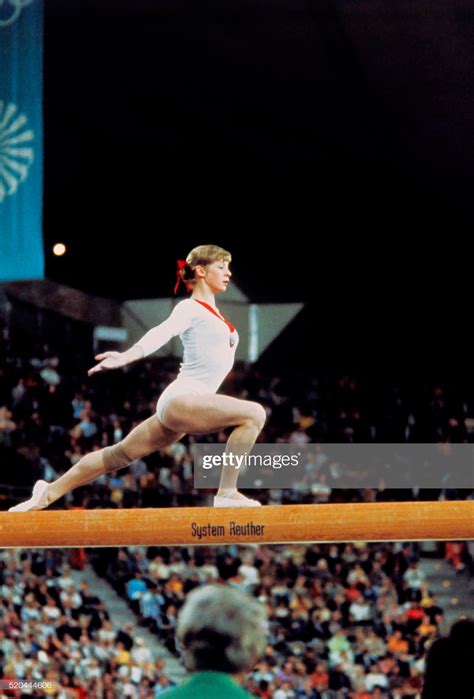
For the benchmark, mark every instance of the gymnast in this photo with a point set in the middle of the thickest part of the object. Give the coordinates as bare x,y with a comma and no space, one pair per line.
190,404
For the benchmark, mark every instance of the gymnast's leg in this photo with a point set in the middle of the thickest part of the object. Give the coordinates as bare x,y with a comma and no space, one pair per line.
147,437
203,414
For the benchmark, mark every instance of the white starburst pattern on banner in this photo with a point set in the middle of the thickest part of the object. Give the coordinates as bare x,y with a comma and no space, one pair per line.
13,10
16,151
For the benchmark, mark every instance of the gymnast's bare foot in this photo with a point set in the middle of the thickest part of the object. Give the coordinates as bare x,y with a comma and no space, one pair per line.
232,498
38,501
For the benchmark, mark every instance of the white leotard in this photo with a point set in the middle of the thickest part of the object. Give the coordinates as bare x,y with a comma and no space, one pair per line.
209,345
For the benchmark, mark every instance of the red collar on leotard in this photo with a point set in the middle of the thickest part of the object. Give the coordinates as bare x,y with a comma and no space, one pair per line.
213,310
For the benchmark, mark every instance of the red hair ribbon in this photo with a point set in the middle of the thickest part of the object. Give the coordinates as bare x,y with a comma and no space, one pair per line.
180,264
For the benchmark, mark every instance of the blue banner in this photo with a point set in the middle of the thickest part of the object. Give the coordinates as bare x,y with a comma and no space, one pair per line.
21,139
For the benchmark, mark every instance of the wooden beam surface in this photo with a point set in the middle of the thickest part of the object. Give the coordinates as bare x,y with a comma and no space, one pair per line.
404,521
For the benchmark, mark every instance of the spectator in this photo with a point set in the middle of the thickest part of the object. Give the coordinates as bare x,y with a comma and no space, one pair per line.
221,632
450,663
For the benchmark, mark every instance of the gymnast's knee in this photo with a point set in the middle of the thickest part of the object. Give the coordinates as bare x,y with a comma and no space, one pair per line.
115,458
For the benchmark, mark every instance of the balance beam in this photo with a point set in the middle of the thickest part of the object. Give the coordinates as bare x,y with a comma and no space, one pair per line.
400,521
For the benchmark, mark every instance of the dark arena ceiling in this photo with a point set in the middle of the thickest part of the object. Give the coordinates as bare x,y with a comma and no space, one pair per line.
327,143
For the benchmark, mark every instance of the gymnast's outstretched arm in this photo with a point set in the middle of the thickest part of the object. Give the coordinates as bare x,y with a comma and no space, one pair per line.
157,337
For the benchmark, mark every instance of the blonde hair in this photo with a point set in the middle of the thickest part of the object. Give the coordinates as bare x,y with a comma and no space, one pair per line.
221,628
202,255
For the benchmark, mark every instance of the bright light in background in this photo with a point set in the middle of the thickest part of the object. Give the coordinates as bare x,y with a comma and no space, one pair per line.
59,249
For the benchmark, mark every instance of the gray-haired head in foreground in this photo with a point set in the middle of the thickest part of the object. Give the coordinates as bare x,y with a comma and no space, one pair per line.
221,628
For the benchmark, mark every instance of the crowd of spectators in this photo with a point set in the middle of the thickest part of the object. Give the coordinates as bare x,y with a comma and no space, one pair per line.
51,414
57,639
345,620
349,620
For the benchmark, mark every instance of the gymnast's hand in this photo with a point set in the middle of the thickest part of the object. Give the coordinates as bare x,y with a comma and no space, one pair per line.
110,360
